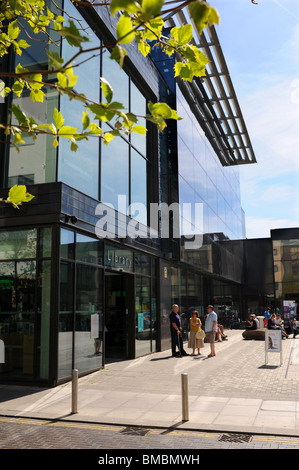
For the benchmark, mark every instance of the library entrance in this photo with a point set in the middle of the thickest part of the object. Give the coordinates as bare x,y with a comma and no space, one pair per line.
119,316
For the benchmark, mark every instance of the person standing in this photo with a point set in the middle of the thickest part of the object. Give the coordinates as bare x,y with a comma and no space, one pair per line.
176,332
267,316
211,329
195,325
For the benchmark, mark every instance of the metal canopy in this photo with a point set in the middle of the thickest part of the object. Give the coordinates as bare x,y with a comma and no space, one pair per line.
213,100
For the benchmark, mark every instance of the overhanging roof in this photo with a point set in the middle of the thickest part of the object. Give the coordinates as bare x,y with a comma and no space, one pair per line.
213,100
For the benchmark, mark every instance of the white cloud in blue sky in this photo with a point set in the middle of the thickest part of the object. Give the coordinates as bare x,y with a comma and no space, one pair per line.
261,47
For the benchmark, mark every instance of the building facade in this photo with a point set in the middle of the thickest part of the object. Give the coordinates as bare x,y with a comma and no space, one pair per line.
76,290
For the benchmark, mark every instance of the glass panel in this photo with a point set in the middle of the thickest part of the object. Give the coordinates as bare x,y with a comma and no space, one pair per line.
67,244
18,244
118,79
138,107
80,169
45,242
115,171
89,250
66,320
43,318
89,318
116,318
139,186
142,264
17,315
143,316
36,163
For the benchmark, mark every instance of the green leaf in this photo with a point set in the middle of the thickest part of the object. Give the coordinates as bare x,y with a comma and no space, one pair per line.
55,59
182,34
58,118
102,112
67,131
85,120
18,194
152,7
107,89
202,14
139,130
130,6
72,35
143,47
124,30
19,115
118,54
13,30
160,109
67,79
37,95
108,137
74,147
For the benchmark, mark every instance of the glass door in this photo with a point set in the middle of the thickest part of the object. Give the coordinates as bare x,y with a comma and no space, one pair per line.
119,293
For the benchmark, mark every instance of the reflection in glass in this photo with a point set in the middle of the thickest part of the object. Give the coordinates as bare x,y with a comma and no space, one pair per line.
118,80
89,317
115,171
67,244
89,250
43,318
66,320
45,242
17,315
138,107
139,186
80,169
36,163
143,316
18,244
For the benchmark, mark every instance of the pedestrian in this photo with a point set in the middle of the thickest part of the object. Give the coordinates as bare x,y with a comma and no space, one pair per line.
195,326
176,332
211,329
267,316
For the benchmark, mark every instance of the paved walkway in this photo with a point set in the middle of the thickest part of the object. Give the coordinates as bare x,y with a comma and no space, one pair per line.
235,391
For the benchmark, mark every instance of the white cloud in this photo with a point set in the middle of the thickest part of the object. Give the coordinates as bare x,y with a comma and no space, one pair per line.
259,227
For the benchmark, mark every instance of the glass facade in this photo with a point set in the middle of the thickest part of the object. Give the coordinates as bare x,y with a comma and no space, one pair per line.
286,270
80,169
71,300
25,287
145,304
202,179
80,333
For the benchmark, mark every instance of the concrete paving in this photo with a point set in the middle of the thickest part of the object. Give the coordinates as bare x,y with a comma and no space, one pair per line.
235,391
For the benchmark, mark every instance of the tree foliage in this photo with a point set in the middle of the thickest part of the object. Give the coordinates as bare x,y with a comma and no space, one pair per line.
137,20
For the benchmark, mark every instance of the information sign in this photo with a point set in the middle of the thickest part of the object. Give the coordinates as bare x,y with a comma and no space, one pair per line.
273,343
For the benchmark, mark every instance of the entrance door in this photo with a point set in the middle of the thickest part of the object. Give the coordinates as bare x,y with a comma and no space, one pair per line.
119,313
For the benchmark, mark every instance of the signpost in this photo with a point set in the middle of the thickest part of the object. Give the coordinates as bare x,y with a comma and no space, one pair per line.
273,343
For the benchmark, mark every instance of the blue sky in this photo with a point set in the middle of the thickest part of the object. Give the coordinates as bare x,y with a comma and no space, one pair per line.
261,47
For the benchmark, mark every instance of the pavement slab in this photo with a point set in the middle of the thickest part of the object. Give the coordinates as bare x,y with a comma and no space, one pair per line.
235,391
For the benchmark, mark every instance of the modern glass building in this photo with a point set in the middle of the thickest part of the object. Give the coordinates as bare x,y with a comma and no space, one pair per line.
72,295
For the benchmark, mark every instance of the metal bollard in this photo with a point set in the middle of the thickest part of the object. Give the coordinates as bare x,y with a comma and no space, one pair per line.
75,391
185,405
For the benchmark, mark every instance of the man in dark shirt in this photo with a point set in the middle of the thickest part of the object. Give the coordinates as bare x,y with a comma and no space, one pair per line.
176,332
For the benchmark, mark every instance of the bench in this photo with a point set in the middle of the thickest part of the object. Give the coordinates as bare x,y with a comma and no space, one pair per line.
258,334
